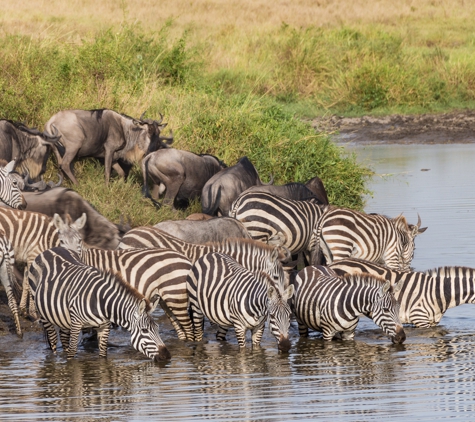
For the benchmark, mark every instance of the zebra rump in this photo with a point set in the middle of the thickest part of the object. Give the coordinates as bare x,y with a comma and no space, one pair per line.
424,297
332,305
231,296
71,295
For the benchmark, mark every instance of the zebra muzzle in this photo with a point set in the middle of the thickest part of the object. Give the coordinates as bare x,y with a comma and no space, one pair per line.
163,354
400,336
284,344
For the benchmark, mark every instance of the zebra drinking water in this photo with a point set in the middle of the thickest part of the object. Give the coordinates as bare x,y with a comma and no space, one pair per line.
332,305
424,297
151,271
231,296
71,295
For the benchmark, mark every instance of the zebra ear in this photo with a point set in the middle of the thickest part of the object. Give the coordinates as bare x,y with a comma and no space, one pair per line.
384,289
289,291
154,299
142,306
277,240
81,221
10,166
397,287
58,221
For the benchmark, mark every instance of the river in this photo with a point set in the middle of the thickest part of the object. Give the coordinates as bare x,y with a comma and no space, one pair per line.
429,377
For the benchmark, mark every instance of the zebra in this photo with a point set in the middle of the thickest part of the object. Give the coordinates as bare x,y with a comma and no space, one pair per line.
10,193
279,221
332,305
251,254
424,297
7,277
71,295
229,295
29,233
161,271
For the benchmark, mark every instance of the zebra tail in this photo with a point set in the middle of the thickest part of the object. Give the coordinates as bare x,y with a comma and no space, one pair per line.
16,283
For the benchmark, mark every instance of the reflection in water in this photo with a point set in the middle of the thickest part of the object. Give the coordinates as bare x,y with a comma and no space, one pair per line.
429,377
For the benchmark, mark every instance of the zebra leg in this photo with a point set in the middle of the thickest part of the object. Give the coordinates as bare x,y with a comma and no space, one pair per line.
64,337
241,335
347,335
257,333
303,329
13,307
50,335
102,338
74,338
221,333
198,322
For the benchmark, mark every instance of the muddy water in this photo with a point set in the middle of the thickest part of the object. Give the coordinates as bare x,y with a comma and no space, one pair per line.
429,377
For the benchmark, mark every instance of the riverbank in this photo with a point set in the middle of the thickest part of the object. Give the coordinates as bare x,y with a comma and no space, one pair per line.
442,128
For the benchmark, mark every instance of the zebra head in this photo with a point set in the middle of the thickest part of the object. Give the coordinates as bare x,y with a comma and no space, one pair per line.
385,313
144,330
406,235
68,232
279,314
10,192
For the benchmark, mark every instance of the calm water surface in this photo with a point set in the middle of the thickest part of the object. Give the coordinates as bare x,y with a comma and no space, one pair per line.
429,377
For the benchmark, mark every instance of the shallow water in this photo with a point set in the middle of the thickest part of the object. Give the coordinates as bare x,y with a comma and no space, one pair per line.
429,377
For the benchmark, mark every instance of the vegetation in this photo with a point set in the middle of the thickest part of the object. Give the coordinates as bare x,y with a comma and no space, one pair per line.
233,86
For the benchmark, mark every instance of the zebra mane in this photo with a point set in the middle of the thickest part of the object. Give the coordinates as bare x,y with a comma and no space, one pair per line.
114,277
450,271
364,279
249,245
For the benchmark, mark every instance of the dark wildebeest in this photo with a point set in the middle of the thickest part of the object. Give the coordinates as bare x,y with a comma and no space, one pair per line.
315,184
98,230
180,174
215,229
223,188
296,191
105,134
29,147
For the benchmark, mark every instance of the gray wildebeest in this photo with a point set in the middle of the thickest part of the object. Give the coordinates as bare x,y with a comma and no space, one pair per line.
223,188
180,174
105,134
29,147
294,190
215,229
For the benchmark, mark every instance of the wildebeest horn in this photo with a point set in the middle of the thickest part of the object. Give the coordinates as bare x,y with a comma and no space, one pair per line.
418,221
143,115
161,118
168,139
271,181
41,185
52,185
32,130
53,135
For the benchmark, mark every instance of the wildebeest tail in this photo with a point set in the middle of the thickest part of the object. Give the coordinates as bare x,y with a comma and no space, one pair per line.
145,189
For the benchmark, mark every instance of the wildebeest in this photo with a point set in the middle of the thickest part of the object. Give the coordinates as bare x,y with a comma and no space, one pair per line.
315,184
29,147
215,229
180,174
105,134
98,230
296,191
223,188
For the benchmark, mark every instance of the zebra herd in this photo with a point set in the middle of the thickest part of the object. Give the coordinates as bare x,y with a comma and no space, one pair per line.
350,264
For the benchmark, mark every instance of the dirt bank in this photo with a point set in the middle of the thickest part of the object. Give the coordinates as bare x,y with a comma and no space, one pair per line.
454,127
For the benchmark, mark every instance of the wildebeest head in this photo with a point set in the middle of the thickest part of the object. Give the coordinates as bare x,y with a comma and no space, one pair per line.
155,128
36,150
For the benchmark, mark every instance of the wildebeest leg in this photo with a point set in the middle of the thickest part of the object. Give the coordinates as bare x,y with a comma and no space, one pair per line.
172,190
67,165
119,170
108,164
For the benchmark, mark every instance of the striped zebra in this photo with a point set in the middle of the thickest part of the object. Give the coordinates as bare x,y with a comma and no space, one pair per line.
10,193
424,297
231,296
151,271
7,277
275,220
345,233
251,254
71,295
332,305
29,233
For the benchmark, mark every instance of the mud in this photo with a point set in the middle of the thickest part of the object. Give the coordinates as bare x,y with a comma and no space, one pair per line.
445,128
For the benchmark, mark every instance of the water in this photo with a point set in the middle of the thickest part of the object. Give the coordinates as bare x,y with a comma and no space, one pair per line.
429,377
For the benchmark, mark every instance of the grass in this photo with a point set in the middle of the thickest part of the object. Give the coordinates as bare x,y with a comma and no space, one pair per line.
236,78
